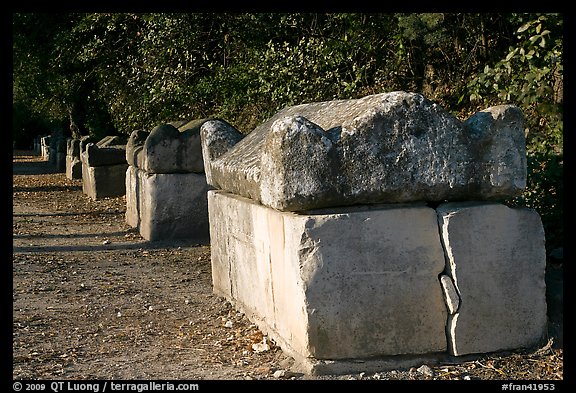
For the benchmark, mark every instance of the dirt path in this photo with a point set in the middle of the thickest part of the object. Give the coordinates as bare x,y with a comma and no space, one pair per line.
93,300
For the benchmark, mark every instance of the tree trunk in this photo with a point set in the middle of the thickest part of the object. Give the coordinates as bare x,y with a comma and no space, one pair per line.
74,127
417,66
483,40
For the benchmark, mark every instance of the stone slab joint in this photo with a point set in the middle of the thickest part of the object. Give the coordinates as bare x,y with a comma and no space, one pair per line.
450,294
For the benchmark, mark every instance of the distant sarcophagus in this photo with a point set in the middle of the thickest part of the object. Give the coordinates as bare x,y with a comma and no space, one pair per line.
166,189
104,168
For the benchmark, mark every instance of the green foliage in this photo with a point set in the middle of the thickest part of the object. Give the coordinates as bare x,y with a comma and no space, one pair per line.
427,27
307,58
530,69
530,76
290,67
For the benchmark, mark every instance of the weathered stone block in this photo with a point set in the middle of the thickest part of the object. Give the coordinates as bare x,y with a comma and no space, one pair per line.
387,148
57,155
170,150
496,258
217,138
73,147
103,181
85,140
333,284
173,206
45,147
104,156
450,294
165,183
112,140
167,206
134,148
132,196
73,167
498,142
178,123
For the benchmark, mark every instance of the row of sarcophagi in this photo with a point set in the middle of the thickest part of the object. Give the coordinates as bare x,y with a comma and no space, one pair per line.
349,231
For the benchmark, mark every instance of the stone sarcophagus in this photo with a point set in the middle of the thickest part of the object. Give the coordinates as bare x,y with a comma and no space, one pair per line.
73,163
61,151
45,147
166,189
74,149
373,230
104,167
